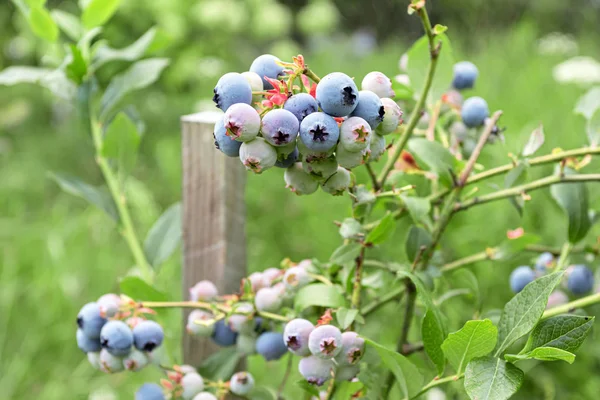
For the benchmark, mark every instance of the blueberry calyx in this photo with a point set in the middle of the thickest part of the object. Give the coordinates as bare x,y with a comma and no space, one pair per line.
319,133
328,346
281,137
349,96
293,343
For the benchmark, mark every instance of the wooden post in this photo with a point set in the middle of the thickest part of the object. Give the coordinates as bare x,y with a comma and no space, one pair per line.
214,241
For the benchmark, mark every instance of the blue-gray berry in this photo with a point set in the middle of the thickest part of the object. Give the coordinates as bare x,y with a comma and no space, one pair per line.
116,337
232,88
319,132
370,108
87,344
149,391
301,105
474,112
280,127
353,348
465,73
271,346
266,65
543,262
520,278
337,94
148,335
223,335
90,320
295,336
325,341
315,370
580,280
287,160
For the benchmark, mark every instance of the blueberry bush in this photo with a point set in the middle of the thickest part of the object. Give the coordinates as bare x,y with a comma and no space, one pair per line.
320,131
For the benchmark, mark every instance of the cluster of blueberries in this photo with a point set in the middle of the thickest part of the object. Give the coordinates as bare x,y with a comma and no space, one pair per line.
317,137
113,345
580,279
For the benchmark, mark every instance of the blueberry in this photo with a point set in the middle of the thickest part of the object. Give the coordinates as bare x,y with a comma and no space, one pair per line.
132,322
337,183
346,372
370,108
271,274
187,369
241,383
452,99
205,396
135,360
256,84
325,341
352,159
474,112
295,278
378,83
295,336
353,348
192,384
580,280
116,337
109,305
280,127
266,65
267,299
110,363
337,94
299,181
315,370
301,105
94,359
258,155
242,122
149,391
459,130
257,281
223,335
355,134
271,346
543,262
246,344
377,147
392,117
557,298
465,73
319,132
203,291
194,323
320,168
232,88
90,320
241,320
227,145
86,344
148,335
520,278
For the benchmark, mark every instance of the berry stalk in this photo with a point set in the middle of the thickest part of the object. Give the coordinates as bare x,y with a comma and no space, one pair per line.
569,307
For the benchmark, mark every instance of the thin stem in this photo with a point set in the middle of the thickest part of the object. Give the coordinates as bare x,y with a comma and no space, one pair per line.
321,278
430,133
411,291
308,72
395,294
355,300
518,190
396,192
564,256
461,262
573,305
286,375
396,214
372,175
128,230
411,348
438,382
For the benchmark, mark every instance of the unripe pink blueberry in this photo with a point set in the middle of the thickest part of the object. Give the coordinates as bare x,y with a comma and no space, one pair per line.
194,323
391,119
355,134
257,281
353,348
271,274
295,278
557,298
295,336
192,384
325,341
320,168
351,159
306,264
377,147
315,370
337,183
110,363
135,360
280,127
203,291
267,299
378,83
298,181
242,122
109,305
258,155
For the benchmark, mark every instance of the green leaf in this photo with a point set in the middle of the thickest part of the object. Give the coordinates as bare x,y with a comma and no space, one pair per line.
97,12
435,156
588,103
15,75
573,198
345,317
543,354
593,129
474,339
345,253
490,378
220,365
345,390
418,65
68,23
566,332
164,236
525,309
262,393
308,388
319,294
439,29
33,3
401,90
121,142
350,229
133,52
42,24
92,194
419,208
433,337
417,238
406,373
517,176
536,140
383,230
138,76
76,68
140,290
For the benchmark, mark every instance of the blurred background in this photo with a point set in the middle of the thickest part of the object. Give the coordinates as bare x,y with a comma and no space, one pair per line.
58,253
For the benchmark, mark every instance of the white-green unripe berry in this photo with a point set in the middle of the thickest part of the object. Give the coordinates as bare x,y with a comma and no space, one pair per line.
391,119
246,344
205,396
355,134
267,299
256,84
337,183
192,384
241,383
200,323
135,360
94,359
351,159
296,277
299,181
258,155
284,151
377,147
109,363
321,168
311,155
241,320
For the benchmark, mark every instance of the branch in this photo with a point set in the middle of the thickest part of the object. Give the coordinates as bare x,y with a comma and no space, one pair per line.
573,305
357,279
372,176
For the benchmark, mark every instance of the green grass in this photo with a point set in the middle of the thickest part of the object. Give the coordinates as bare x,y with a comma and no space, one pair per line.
57,253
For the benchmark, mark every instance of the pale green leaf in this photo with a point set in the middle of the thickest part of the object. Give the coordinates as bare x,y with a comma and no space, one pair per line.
536,140
319,294
418,65
543,354
382,232
133,52
42,24
97,12
68,23
418,208
220,365
490,378
593,129
164,236
92,194
433,336
474,339
140,290
589,103
345,317
121,142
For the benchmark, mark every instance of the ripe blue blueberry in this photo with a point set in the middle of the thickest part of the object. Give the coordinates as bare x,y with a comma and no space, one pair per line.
346,372
232,88
227,145
280,127
196,327
271,346
353,348
116,337
192,384
87,344
474,112
521,277
370,108
267,299
135,360
325,341
337,183
296,277
392,117
301,105
298,181
376,147
337,94
266,65
351,159
246,344
465,73
109,305
320,168
543,262
378,83
223,335
110,363
148,335
319,132
241,383
355,134
90,320
258,155
149,391
295,336
315,370
203,291
580,280
242,122
205,396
